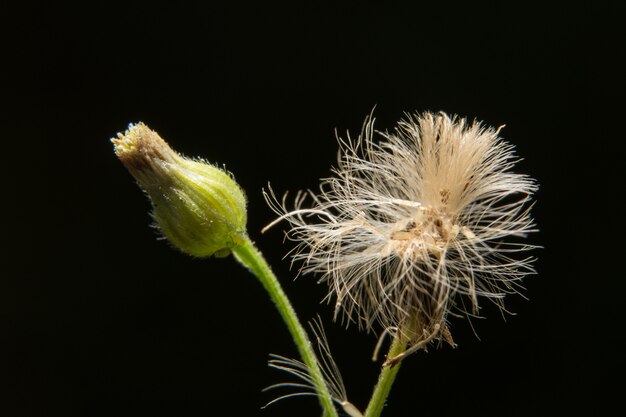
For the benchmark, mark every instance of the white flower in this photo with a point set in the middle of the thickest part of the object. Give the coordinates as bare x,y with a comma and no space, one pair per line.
416,226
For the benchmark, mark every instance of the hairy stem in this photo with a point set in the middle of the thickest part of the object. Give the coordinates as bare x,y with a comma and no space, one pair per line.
386,378
249,256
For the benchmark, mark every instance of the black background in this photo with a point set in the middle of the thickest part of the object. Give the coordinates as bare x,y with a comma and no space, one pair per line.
99,318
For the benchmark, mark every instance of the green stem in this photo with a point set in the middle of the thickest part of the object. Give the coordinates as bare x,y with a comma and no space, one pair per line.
385,379
249,256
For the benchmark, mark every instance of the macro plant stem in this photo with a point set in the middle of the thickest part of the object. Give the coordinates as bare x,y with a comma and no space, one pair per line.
249,256
385,379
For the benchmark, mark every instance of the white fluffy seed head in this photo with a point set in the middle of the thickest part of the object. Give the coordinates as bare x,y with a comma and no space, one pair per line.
415,225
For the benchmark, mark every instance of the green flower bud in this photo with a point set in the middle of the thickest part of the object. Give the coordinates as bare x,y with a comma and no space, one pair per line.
198,207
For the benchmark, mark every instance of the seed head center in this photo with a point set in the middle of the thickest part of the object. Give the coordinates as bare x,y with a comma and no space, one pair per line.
427,232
